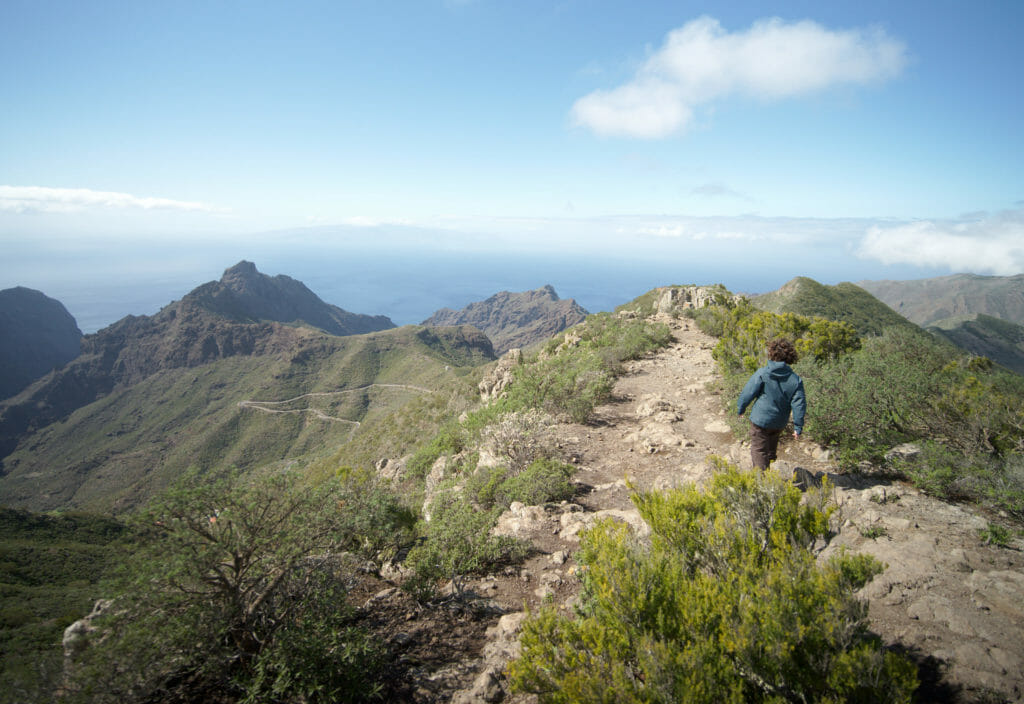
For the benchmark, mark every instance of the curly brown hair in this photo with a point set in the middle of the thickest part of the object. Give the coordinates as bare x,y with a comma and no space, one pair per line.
782,350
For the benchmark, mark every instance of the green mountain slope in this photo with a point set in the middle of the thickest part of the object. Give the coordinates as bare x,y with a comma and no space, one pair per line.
245,410
844,301
999,340
50,569
246,313
926,301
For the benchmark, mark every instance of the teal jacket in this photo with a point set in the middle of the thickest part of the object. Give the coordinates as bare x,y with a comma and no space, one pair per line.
775,389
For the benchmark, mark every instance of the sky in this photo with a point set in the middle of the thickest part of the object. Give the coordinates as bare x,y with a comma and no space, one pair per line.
839,140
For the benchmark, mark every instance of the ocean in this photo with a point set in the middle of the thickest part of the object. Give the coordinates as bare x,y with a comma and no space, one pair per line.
405,286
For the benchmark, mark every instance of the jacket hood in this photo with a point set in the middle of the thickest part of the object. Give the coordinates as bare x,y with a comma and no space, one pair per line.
779,371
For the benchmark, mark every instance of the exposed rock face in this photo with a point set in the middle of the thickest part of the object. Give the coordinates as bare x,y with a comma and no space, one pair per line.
245,313
677,298
37,335
515,319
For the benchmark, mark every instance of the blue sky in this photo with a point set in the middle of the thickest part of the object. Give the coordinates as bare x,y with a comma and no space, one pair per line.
881,134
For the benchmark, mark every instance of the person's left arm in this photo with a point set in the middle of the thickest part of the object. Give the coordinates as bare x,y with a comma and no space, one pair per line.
799,404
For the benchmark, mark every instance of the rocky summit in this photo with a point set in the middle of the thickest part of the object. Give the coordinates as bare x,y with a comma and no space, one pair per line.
515,319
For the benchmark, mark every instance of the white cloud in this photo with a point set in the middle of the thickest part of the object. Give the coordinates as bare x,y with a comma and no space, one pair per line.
700,62
983,244
40,199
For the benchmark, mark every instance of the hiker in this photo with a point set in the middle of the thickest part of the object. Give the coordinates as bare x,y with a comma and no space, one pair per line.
775,389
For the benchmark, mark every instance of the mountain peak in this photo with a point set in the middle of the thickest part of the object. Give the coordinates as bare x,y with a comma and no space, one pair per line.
515,319
242,270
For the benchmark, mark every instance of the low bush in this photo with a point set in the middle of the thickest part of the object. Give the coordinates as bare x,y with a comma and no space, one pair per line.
563,385
544,480
458,543
519,438
725,603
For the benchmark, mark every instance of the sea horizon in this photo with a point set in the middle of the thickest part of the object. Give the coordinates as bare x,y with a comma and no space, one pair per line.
410,286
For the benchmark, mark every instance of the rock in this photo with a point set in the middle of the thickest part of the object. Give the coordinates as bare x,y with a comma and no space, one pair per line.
675,299
520,520
77,635
502,646
494,384
907,452
395,572
655,436
652,404
718,426
390,470
573,523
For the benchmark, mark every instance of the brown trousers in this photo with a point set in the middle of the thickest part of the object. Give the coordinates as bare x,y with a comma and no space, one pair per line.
764,444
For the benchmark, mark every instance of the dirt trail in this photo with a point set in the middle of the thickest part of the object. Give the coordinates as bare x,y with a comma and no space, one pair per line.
954,603
272,406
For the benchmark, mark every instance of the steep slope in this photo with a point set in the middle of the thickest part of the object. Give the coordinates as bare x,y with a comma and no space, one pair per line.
37,334
304,395
245,313
515,319
926,301
844,301
999,340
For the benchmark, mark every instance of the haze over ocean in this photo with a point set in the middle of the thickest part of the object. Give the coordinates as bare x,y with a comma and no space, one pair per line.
407,286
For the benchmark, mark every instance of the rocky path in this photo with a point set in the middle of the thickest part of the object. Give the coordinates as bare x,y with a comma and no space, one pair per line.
953,602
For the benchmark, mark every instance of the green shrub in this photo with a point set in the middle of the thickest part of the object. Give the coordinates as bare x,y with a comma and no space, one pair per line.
238,579
519,438
726,603
994,534
545,480
566,384
458,543
993,481
450,439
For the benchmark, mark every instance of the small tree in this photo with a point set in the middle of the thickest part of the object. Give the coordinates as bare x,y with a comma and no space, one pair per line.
726,603
239,578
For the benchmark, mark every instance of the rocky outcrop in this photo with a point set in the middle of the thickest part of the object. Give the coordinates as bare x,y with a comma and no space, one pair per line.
515,319
498,379
38,335
674,299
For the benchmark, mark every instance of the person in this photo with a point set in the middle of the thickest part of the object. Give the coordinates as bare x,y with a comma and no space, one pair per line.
775,390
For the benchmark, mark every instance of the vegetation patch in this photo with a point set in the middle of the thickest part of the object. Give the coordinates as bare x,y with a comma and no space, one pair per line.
51,566
869,394
725,603
237,594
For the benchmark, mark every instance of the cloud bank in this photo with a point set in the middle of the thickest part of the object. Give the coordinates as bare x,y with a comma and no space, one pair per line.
701,62
40,199
980,244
